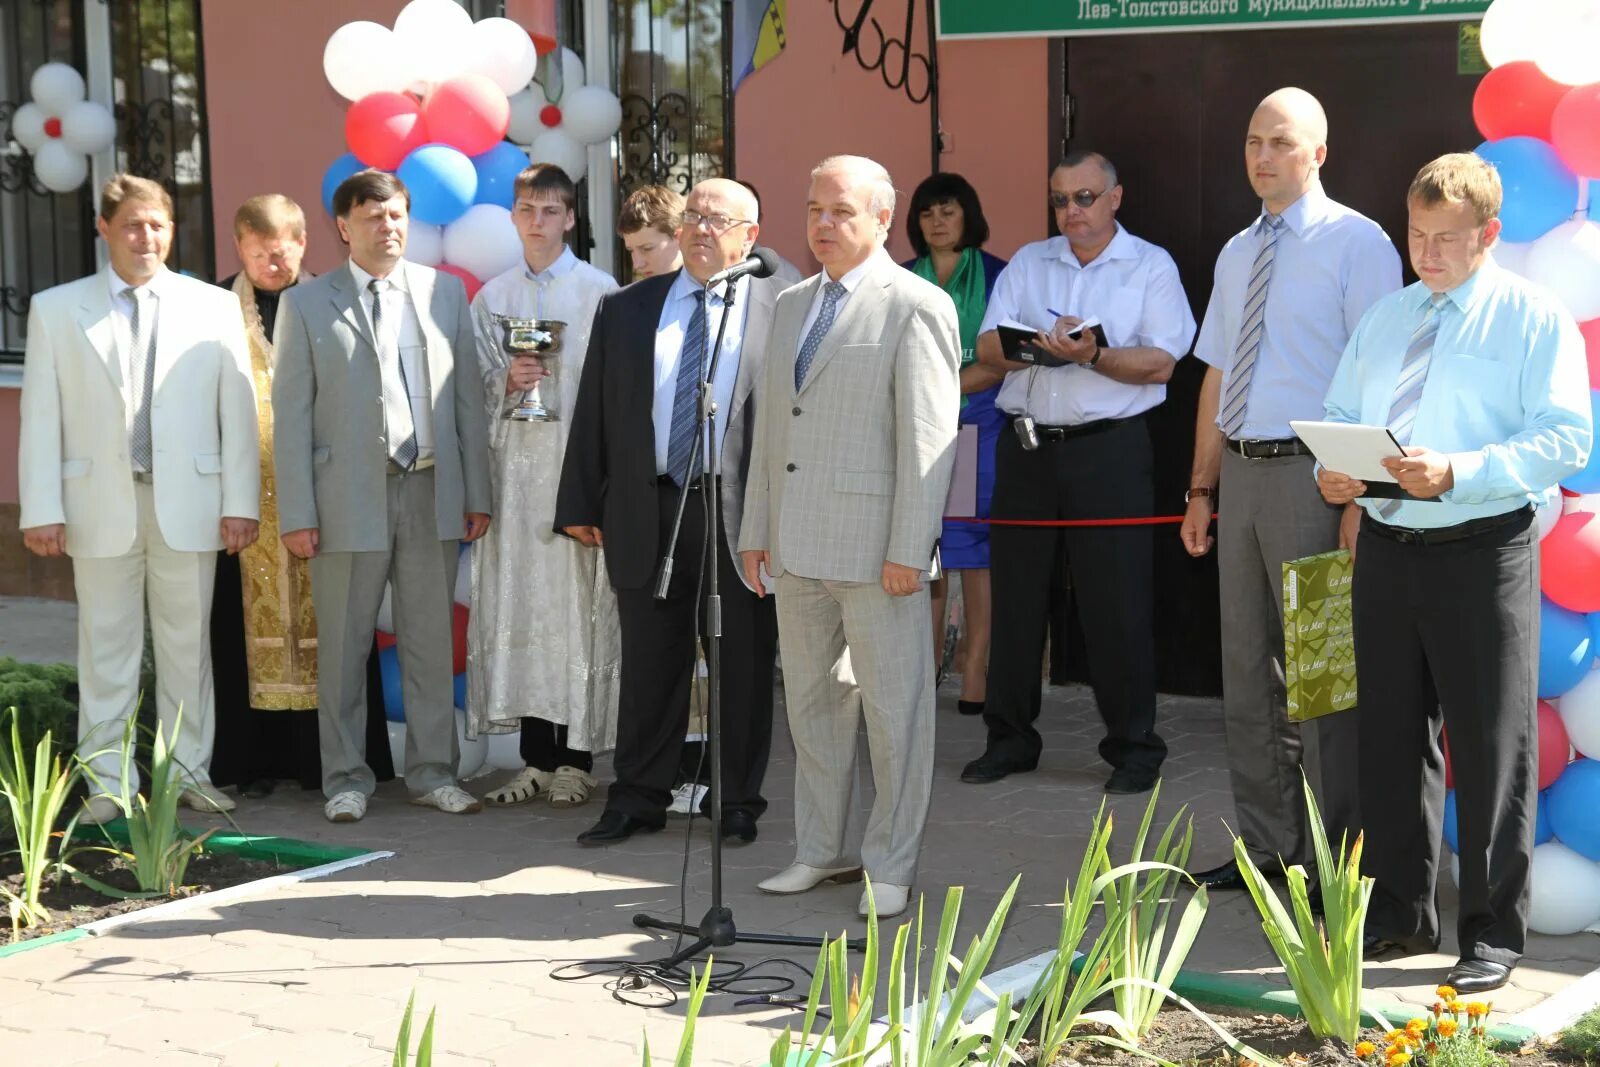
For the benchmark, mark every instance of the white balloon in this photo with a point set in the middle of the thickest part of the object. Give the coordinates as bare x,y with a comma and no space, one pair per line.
56,87
591,114
1566,890
483,241
359,59
1579,708
436,36
527,111
1566,261
27,126
464,580
59,168
505,752
1588,503
386,610
561,148
88,127
397,747
1568,50
425,244
565,78
1455,869
503,51
1513,255
474,750
1512,30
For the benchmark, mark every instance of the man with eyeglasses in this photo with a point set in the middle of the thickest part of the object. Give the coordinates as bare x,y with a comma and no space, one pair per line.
628,457
1288,293
1080,450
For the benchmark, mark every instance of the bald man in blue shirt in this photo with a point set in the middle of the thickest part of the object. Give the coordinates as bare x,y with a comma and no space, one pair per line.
1481,378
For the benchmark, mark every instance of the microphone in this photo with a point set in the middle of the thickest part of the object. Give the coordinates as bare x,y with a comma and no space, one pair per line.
762,263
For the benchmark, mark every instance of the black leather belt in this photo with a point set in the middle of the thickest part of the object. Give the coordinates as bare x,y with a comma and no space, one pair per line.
665,481
1061,433
1443,535
1288,446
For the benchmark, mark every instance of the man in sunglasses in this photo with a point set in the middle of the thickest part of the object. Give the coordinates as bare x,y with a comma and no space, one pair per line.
1081,450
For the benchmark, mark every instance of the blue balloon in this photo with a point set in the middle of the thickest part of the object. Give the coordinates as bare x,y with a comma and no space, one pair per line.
1542,830
461,690
1588,479
442,183
497,174
337,172
1540,192
1575,808
1566,648
1594,200
389,669
1451,837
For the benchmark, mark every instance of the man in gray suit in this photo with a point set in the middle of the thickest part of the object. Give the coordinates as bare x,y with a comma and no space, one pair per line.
383,468
855,441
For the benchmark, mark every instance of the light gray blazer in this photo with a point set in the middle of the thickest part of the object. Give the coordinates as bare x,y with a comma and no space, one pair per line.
852,470
327,399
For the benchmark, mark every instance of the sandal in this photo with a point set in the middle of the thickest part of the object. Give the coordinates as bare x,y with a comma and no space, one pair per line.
569,787
525,786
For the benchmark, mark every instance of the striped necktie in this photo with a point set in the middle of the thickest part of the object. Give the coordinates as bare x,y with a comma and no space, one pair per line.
680,437
1413,376
1235,400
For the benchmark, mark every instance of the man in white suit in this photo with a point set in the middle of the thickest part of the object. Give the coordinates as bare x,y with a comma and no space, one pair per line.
138,459
854,445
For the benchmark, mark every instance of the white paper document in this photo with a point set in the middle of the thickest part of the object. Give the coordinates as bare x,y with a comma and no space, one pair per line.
1349,448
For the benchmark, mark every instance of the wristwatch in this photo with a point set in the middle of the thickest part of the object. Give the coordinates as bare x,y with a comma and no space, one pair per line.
1198,490
1094,358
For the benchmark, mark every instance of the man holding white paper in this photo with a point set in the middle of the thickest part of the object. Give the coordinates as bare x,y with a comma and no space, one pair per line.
1482,380
1289,290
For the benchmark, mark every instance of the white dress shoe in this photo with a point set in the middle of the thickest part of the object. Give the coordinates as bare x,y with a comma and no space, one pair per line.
450,799
203,796
97,810
890,898
801,877
348,806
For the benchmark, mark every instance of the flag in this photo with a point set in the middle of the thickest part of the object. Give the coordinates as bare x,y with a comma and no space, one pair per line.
758,35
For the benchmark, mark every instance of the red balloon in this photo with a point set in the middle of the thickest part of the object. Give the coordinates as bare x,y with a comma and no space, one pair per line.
458,639
1591,345
1515,100
1449,771
472,283
1555,751
1575,129
469,113
1569,562
385,640
382,128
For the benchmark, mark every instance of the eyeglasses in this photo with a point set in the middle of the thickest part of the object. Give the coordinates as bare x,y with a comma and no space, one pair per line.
718,223
1084,198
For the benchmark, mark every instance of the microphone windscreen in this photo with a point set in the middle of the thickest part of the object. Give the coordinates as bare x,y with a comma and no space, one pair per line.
769,262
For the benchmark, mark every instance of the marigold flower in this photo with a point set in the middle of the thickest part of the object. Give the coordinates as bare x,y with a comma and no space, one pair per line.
1455,1007
1415,1027
1365,1049
1477,1009
1445,992
1399,1059
1448,1027
1433,1047
1393,1050
1438,1008
1394,1035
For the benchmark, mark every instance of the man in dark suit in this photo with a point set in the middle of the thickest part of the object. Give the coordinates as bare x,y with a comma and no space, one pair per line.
628,454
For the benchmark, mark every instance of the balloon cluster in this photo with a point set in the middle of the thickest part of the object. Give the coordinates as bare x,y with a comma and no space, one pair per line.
436,111
60,128
1539,110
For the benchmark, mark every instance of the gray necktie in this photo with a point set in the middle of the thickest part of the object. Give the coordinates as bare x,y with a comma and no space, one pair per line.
831,294
141,372
396,408
1252,330
1408,386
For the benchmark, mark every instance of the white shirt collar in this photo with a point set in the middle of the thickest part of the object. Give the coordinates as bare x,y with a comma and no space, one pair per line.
1300,214
853,277
685,284
1121,246
564,264
396,278
116,286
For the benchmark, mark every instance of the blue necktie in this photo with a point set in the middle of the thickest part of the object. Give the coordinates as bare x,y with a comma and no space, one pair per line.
819,329
685,396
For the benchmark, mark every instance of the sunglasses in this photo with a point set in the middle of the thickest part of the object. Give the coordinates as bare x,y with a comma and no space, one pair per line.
1084,198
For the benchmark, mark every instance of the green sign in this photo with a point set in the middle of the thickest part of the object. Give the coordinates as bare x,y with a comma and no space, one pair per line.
1469,52
1077,18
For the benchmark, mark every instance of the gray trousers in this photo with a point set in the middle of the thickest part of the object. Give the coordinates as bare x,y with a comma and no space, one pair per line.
851,651
347,590
1271,512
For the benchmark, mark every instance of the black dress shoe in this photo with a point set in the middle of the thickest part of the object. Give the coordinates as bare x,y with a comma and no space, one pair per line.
615,826
993,766
1223,879
738,827
1477,976
970,707
1129,783
256,790
1377,946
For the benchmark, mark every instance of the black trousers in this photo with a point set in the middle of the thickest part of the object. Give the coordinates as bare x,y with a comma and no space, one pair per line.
543,745
1448,635
1102,473
658,662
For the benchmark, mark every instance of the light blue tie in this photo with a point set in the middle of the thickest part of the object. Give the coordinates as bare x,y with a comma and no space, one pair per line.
1253,329
1413,376
680,438
831,294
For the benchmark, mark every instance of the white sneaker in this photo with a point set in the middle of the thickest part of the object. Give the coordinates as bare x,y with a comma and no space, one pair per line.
686,799
800,877
451,799
349,806
97,810
203,796
570,787
890,898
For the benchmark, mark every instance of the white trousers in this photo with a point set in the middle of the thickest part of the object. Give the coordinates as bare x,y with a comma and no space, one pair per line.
111,605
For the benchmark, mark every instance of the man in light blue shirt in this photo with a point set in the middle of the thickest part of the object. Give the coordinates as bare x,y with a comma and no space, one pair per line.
1290,288
1481,378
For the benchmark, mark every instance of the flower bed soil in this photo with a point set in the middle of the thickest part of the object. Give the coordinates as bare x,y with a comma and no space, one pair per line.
72,904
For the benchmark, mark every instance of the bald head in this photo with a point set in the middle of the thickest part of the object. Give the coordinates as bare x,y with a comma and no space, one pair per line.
719,227
1285,147
734,197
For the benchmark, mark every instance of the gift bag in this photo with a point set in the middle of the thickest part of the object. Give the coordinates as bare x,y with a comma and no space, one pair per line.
1319,656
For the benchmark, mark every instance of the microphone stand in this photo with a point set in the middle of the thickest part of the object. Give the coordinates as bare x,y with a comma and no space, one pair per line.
716,928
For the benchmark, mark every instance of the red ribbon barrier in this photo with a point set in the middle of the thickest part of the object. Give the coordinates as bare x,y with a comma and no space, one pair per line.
1149,520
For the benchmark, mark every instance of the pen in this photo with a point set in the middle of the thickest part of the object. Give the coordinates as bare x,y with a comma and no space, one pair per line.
1056,313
